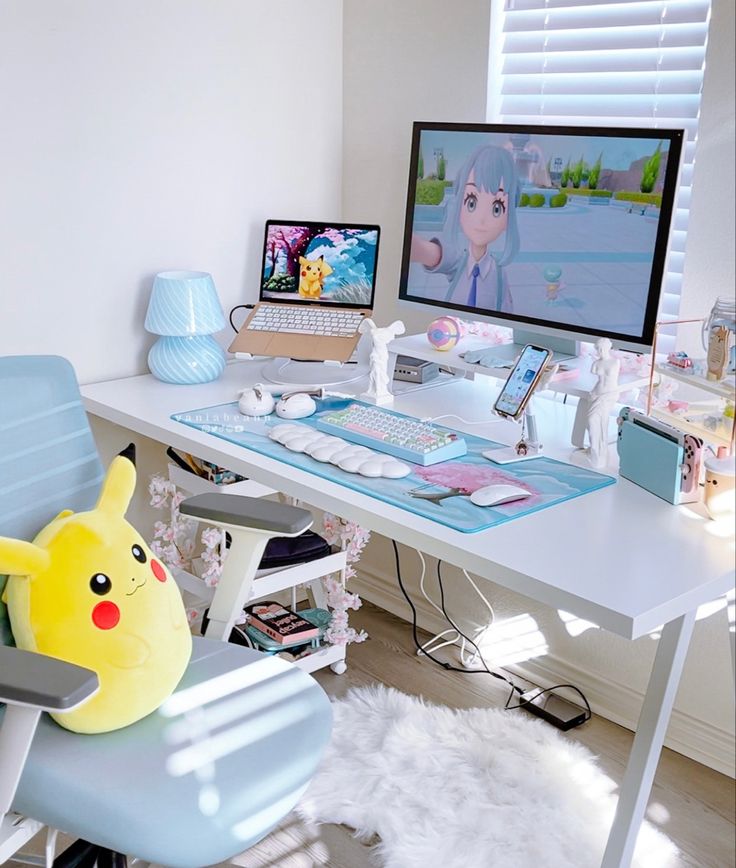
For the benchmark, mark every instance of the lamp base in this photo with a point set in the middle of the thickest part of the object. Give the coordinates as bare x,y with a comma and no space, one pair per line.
186,360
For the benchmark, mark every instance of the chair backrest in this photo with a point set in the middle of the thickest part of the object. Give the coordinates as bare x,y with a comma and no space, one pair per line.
48,457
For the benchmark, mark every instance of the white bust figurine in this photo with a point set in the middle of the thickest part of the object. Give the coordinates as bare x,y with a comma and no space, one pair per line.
602,398
378,378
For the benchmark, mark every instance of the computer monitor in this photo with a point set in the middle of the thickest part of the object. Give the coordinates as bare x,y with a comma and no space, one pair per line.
559,232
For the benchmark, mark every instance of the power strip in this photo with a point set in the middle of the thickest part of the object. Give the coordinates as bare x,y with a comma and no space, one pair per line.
553,708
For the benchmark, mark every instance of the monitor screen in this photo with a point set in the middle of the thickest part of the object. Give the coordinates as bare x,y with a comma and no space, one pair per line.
560,227
326,263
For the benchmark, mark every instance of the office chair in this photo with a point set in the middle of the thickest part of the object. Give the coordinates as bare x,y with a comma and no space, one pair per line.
223,760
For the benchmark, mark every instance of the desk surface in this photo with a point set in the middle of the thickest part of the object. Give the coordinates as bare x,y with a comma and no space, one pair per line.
619,557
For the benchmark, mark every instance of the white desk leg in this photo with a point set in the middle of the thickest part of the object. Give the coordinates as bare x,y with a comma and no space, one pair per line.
580,424
650,732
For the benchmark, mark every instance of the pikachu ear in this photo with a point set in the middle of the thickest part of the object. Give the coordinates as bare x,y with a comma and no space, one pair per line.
303,260
19,558
119,484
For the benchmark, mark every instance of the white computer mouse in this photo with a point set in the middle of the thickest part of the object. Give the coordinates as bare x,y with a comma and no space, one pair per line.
495,495
257,401
296,406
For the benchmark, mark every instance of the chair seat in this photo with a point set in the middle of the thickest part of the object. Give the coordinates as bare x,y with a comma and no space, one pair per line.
224,768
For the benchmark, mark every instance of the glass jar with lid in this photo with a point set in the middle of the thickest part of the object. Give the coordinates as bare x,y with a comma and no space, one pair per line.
722,316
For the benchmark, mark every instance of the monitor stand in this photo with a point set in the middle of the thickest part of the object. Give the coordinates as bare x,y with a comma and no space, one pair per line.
563,349
312,375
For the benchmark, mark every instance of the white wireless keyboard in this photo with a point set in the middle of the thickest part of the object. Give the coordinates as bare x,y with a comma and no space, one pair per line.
303,320
333,450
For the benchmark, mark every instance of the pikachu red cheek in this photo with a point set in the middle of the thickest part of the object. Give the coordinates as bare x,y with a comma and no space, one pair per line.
105,615
158,571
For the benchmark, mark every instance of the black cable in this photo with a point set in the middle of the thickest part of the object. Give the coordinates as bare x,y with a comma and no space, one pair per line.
411,606
468,639
448,666
514,688
542,691
232,311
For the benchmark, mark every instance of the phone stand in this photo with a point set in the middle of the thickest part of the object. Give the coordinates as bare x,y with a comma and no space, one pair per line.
528,446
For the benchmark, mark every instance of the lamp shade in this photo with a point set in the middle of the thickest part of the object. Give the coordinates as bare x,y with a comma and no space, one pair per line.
184,303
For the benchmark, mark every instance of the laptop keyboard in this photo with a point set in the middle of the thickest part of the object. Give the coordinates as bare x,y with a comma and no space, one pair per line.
303,320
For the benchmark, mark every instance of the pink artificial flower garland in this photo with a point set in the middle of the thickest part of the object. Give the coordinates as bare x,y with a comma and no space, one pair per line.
174,543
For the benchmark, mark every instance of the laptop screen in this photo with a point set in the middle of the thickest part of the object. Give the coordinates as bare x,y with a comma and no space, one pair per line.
320,263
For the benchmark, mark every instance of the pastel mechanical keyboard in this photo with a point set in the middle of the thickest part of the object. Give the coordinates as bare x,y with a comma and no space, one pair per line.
405,438
304,320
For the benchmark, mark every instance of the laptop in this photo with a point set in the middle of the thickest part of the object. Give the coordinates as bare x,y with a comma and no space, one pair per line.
318,281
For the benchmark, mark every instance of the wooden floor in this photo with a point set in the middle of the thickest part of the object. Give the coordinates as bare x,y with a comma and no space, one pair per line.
691,804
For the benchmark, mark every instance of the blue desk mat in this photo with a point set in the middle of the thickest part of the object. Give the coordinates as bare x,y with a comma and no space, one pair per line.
439,492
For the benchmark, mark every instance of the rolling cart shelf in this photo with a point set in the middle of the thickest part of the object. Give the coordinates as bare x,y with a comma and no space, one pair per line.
271,581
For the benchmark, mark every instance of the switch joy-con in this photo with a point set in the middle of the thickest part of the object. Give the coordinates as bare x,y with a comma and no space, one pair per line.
691,466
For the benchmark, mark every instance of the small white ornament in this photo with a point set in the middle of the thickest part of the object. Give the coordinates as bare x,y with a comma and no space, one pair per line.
602,398
378,391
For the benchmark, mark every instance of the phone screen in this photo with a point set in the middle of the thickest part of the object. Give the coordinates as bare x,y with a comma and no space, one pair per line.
521,381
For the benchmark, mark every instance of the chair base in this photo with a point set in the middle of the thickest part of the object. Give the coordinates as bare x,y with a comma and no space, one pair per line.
82,854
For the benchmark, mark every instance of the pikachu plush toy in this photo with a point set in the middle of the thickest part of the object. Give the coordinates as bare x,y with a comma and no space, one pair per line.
89,591
312,274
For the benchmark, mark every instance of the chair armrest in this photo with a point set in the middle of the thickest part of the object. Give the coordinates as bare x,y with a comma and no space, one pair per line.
27,678
248,512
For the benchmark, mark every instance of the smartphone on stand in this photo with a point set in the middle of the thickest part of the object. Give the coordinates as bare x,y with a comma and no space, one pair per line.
515,395
522,381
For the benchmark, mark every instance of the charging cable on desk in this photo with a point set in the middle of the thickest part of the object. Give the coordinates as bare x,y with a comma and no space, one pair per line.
232,311
459,418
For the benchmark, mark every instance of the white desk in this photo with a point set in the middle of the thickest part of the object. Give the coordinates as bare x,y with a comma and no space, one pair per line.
618,557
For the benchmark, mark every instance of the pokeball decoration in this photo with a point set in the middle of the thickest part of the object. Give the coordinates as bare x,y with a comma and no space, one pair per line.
444,332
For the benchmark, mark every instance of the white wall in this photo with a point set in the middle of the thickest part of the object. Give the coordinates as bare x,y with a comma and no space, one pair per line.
414,60
427,60
152,135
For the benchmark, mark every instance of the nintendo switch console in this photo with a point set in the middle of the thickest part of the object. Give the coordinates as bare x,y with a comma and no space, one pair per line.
659,457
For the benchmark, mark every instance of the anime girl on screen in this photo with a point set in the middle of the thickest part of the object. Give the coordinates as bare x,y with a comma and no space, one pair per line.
483,210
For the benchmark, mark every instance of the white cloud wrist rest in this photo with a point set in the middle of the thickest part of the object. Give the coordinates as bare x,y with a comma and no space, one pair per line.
335,450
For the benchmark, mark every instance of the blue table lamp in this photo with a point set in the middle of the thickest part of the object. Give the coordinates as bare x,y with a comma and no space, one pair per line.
185,311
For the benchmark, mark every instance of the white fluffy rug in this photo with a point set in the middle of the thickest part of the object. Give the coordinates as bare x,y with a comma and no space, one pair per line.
482,788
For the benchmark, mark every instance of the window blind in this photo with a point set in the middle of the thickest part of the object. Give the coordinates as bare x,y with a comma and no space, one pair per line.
606,63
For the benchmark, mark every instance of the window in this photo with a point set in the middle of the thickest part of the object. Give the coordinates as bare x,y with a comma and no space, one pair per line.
606,63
